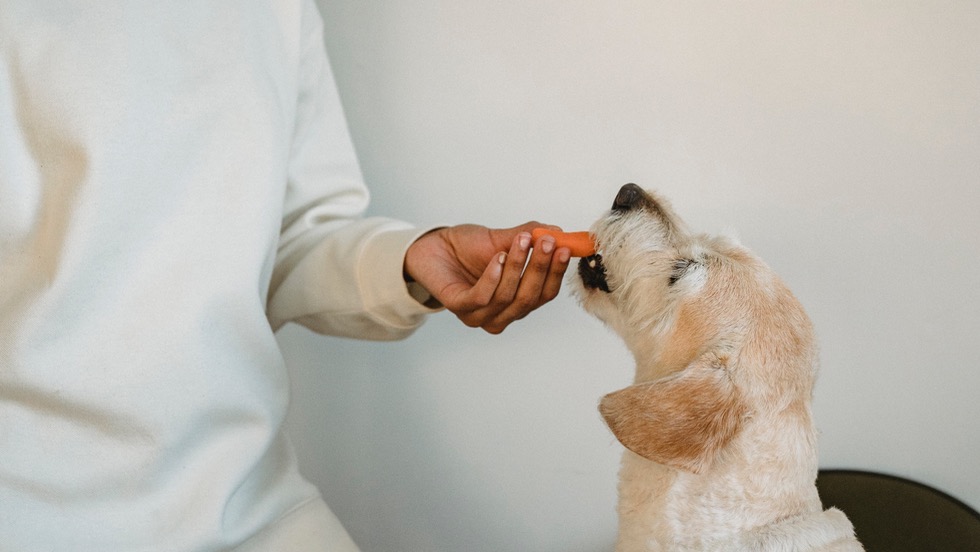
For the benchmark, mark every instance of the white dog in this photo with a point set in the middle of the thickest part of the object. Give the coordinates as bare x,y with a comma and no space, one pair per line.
722,446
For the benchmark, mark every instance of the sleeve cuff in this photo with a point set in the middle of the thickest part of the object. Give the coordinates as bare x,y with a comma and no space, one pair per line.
389,297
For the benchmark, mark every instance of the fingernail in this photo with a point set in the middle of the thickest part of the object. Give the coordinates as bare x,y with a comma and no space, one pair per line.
564,255
501,258
525,240
547,245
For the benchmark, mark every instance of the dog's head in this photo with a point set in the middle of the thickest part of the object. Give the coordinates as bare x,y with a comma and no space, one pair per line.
719,341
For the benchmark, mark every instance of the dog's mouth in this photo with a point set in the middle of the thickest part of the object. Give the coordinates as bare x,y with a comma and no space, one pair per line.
593,273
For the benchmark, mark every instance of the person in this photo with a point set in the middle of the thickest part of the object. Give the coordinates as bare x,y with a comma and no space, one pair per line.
176,183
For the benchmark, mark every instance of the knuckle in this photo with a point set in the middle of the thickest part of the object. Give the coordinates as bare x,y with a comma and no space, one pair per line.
495,329
516,263
483,301
524,304
539,264
472,321
499,302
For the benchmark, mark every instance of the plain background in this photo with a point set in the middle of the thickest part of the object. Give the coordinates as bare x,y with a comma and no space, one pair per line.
839,140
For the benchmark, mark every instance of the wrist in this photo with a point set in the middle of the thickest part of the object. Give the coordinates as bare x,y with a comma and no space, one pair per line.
417,253
416,256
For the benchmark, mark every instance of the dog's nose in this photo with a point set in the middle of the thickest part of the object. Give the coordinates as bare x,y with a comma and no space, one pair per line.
629,196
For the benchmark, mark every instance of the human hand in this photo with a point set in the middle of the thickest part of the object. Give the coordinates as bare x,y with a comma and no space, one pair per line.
479,273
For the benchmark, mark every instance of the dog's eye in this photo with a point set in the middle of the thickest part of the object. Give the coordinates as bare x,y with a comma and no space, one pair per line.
680,268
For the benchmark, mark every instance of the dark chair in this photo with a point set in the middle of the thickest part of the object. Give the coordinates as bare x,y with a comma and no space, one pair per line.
892,514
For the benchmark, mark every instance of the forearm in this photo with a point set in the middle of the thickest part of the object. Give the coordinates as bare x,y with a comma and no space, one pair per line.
349,282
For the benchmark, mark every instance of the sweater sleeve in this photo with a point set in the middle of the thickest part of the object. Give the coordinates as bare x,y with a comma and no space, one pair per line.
336,272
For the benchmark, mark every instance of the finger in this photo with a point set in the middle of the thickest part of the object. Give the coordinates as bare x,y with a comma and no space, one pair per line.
535,276
477,297
510,279
556,275
555,271
539,284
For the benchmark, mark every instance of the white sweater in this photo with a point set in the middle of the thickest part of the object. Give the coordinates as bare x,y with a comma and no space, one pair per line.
176,182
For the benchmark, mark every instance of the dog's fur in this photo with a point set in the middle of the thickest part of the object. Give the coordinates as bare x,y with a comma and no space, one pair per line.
721,443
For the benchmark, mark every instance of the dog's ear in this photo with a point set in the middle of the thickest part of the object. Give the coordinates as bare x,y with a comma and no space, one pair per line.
682,421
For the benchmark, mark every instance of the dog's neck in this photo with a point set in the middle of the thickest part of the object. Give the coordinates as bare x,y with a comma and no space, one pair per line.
663,509
821,531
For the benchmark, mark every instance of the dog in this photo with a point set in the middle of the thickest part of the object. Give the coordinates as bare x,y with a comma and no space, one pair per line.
721,445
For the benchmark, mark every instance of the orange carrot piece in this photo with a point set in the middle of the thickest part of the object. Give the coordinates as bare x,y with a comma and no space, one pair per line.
579,243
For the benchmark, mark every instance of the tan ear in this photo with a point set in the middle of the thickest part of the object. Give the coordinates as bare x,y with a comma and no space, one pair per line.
681,421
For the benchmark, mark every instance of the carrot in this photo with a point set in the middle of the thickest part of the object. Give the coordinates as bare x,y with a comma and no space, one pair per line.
579,243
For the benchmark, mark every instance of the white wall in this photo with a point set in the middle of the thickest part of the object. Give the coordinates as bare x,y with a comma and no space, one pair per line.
840,140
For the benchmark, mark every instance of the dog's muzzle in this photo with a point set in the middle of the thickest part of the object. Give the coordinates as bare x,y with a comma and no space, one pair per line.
590,269
592,273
